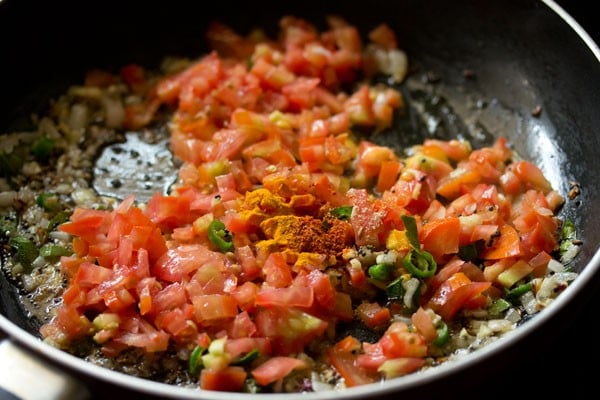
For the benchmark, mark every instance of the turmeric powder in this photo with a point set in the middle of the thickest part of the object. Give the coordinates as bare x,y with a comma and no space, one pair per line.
307,234
260,204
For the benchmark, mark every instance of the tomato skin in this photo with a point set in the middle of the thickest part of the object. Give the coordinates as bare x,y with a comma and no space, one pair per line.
373,315
276,368
441,237
345,363
455,293
214,307
230,379
367,223
289,329
396,367
423,323
506,245
396,344
291,296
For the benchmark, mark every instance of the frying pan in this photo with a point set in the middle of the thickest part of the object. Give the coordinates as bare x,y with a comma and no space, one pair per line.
523,53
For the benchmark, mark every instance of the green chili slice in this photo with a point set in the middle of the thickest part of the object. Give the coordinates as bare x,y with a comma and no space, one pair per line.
443,334
410,223
567,236
195,363
470,251
246,358
220,236
48,201
342,212
58,218
419,264
26,250
394,290
518,291
52,250
42,148
498,307
381,272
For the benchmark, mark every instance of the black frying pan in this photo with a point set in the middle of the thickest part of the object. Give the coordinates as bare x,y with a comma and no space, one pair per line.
524,54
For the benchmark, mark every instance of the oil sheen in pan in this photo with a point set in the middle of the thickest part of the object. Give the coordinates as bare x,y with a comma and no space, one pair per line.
443,110
140,166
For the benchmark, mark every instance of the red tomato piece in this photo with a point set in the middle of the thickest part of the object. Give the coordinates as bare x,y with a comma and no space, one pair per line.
276,368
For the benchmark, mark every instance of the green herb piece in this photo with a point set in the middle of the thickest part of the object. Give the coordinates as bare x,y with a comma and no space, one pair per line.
195,363
57,219
26,250
48,201
515,293
470,251
342,212
498,307
52,250
567,236
380,272
412,234
395,291
443,334
419,264
42,148
247,358
220,236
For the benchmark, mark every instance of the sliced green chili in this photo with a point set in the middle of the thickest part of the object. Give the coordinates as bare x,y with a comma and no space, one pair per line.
567,236
394,290
412,234
470,251
246,358
53,250
518,291
220,236
498,307
381,272
443,334
419,264
48,201
42,148
342,212
57,219
195,363
26,250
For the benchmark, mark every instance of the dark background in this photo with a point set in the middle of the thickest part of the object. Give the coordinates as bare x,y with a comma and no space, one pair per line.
561,360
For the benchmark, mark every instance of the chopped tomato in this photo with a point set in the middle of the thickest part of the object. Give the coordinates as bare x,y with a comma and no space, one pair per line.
276,368
230,379
373,315
455,293
345,363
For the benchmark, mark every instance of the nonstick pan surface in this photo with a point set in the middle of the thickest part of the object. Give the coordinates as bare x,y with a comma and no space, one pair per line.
524,55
